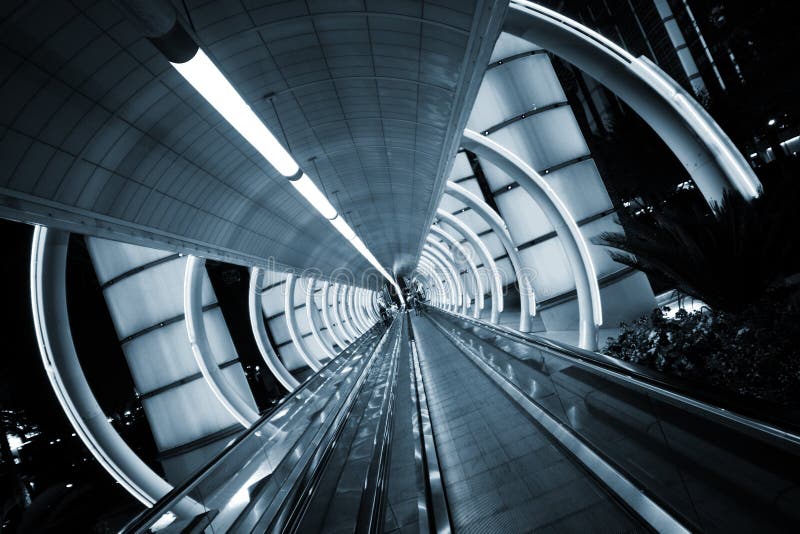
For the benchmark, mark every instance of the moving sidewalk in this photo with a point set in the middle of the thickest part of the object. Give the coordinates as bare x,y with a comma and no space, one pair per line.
443,423
670,461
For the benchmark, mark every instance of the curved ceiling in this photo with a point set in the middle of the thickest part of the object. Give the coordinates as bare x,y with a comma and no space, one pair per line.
100,135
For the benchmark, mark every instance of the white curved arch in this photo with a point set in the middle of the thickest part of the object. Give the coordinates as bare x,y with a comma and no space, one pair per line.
432,273
326,316
274,363
472,238
60,360
226,394
590,308
449,272
447,257
439,267
346,321
313,319
710,157
345,333
527,299
291,323
476,311
355,312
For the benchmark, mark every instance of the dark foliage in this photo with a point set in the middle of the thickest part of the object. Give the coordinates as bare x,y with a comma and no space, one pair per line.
751,353
728,258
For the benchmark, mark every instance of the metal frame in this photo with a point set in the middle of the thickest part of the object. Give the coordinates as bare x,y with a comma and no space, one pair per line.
326,317
291,323
709,156
456,294
60,359
268,354
446,255
527,297
487,259
590,308
478,306
227,395
313,319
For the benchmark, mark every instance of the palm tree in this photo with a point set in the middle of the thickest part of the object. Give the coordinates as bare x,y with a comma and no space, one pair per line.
728,257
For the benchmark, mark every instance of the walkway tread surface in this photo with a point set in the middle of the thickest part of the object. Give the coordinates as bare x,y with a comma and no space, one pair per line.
502,473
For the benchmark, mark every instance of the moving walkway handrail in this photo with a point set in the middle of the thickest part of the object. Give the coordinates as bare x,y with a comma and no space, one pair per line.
435,510
142,521
371,511
300,493
673,390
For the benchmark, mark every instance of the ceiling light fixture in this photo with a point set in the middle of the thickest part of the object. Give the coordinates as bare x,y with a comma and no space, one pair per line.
212,85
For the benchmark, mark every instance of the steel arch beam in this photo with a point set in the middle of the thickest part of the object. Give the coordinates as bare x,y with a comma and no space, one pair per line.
225,393
498,226
454,281
60,359
447,257
268,354
313,319
440,278
356,312
450,284
590,308
438,294
476,311
346,323
487,259
337,317
326,316
291,323
709,156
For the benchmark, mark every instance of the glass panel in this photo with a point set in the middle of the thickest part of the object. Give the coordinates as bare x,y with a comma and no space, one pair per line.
704,468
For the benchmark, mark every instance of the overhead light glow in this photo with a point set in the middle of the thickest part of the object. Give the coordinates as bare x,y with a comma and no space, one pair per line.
315,197
341,225
209,81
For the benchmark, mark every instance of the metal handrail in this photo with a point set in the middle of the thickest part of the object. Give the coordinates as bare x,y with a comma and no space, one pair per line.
169,500
674,391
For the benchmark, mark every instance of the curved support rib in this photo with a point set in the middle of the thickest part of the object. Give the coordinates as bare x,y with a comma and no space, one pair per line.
476,310
709,156
590,309
486,258
446,256
268,354
455,292
60,360
337,317
326,316
238,407
498,226
291,324
313,319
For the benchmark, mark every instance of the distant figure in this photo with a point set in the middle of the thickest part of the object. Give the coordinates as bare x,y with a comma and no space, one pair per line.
384,315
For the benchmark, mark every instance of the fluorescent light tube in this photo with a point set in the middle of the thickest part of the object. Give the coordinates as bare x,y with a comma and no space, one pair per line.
315,197
207,79
340,224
